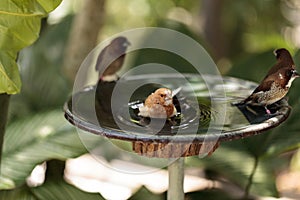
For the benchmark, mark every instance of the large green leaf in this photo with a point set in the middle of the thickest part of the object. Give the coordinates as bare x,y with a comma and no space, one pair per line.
36,139
9,73
62,190
22,193
51,190
20,23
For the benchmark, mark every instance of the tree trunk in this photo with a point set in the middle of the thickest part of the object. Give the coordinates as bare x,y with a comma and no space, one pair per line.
83,35
212,13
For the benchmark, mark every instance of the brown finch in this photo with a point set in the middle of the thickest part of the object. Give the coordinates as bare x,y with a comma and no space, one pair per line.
277,82
159,105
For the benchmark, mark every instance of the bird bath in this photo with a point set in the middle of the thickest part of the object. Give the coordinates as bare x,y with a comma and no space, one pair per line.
206,117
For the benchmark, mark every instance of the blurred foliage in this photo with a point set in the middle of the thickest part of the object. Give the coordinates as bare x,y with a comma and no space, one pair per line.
44,85
37,131
44,136
54,190
242,30
246,25
51,190
144,56
208,195
259,64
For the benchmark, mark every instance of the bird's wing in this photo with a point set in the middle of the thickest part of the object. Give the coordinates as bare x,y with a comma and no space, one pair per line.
100,59
265,86
261,88
275,68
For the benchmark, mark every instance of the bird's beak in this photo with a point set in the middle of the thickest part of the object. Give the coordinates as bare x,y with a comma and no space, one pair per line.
296,74
126,44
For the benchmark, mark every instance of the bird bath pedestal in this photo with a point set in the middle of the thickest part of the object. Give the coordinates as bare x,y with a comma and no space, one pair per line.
199,129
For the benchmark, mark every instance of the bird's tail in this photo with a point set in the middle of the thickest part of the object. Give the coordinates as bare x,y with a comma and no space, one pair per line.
239,103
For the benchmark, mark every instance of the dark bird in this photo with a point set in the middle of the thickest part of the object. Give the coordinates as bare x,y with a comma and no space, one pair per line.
111,59
277,82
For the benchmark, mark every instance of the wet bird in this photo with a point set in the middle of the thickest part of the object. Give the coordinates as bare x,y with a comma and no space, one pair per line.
276,83
111,59
159,105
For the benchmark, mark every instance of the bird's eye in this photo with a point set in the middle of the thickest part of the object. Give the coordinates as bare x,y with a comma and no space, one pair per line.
289,73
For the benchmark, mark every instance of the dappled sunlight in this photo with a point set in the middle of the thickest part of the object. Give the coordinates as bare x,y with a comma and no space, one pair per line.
288,184
46,130
181,15
37,176
91,175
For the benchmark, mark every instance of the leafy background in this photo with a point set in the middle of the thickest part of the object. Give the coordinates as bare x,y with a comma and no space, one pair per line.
37,131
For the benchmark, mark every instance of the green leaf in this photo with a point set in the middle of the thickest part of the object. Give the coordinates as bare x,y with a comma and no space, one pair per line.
22,193
49,5
51,190
33,140
62,190
20,23
10,81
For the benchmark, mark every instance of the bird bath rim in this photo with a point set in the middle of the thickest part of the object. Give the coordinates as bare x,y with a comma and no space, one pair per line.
241,132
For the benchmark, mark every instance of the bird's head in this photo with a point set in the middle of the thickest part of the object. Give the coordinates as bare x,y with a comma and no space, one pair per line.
164,95
292,74
120,43
283,54
159,104
288,68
